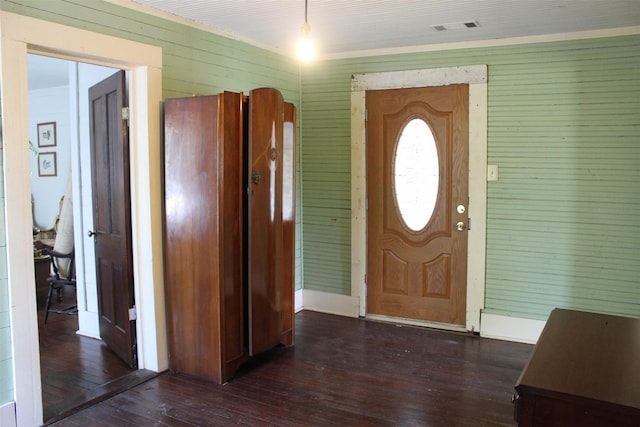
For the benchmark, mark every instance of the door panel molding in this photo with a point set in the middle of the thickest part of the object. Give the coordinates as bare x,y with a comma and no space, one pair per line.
476,76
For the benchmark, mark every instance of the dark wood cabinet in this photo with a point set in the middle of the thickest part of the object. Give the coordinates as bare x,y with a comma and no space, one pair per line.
584,371
228,243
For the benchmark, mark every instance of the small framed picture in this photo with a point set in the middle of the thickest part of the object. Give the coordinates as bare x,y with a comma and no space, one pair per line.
47,134
47,164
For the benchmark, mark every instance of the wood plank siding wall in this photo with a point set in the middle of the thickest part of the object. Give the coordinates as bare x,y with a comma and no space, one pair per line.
563,221
564,218
194,62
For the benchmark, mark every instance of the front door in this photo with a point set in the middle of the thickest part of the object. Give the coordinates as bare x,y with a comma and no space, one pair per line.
112,215
417,192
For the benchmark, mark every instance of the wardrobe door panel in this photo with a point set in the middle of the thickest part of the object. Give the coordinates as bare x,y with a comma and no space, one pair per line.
231,200
203,235
191,235
288,223
264,218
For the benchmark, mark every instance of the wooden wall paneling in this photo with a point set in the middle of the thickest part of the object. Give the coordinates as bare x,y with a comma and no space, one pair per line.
265,218
561,130
194,60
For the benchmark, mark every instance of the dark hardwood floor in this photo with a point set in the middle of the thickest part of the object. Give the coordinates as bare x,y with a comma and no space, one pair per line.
341,372
75,370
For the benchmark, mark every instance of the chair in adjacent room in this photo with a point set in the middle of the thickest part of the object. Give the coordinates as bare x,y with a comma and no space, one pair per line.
62,256
63,276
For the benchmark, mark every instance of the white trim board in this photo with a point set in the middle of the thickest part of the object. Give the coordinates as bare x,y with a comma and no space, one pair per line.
511,328
324,302
20,35
474,44
476,77
299,301
8,414
492,325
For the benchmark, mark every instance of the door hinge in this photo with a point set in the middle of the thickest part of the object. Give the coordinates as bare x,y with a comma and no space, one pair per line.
125,113
468,224
366,117
133,313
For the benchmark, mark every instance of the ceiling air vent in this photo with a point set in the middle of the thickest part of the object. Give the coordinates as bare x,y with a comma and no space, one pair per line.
456,26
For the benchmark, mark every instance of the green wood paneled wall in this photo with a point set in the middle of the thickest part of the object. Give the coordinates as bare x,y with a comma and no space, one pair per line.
564,127
194,61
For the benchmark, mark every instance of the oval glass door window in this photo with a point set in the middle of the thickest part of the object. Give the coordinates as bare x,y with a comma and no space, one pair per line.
416,174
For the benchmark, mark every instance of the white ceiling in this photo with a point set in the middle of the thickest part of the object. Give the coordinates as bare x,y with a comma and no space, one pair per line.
343,28
348,27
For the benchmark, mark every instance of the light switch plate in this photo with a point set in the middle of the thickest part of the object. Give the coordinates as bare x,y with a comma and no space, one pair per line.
492,172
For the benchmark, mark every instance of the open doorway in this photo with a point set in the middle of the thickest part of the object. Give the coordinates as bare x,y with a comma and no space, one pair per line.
75,363
21,35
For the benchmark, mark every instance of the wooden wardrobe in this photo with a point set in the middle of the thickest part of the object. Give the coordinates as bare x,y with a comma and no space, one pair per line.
229,186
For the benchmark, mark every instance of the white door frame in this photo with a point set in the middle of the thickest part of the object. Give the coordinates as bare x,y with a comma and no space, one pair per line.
476,77
20,35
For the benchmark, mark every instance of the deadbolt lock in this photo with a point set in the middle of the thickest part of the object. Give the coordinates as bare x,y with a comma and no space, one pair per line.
461,209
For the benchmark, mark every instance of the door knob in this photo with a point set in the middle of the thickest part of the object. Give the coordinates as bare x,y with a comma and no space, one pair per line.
91,233
460,226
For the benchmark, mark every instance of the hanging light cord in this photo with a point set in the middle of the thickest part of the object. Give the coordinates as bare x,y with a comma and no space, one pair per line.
306,50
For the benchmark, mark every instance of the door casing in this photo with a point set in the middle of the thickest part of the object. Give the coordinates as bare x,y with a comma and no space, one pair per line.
476,77
19,36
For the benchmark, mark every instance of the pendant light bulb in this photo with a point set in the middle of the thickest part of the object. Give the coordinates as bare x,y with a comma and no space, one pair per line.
306,50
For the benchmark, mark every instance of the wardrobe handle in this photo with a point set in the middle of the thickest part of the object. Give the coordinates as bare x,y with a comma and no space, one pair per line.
255,176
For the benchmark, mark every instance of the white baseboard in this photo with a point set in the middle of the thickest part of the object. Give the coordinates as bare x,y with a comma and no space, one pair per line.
510,328
325,302
299,299
8,414
88,324
491,325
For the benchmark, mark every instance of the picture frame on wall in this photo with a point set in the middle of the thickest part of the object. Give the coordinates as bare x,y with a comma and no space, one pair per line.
47,134
47,164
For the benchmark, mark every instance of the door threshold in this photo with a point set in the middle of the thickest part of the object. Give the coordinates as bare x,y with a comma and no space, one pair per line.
100,393
415,322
